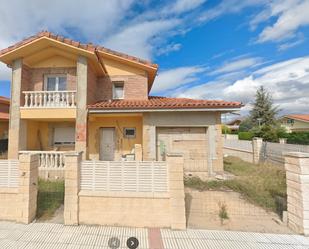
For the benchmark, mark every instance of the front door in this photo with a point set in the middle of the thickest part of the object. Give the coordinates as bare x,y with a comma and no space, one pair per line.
107,144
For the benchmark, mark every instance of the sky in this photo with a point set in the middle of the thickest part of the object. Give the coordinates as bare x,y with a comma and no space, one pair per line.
206,49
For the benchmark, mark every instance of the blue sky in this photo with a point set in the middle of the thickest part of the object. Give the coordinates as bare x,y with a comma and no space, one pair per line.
205,49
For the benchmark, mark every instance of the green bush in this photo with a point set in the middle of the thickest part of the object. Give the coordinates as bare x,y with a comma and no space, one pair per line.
225,129
245,135
298,138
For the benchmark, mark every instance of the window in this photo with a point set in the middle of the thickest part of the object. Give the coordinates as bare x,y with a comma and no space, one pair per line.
55,83
118,91
64,135
129,132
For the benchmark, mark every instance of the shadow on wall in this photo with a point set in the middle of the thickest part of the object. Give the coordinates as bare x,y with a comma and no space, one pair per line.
3,146
188,202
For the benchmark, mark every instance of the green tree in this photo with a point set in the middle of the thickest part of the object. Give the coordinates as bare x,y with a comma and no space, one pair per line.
264,112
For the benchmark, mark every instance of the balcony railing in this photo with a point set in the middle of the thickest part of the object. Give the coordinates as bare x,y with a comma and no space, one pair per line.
49,159
50,99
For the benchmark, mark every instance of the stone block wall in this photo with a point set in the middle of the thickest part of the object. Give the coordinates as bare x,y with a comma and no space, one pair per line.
297,178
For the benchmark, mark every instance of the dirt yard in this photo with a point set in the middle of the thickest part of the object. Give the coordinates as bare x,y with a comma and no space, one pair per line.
202,211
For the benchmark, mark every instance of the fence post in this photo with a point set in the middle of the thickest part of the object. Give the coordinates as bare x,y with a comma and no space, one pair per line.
257,144
28,187
297,178
72,187
282,140
175,164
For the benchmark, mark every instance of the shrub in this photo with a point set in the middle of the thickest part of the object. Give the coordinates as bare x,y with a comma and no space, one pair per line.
225,129
298,138
245,135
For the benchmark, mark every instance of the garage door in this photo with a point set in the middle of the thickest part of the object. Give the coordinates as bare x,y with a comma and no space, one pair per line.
191,141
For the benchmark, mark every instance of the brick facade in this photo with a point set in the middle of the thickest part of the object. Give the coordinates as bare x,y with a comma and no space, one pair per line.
135,87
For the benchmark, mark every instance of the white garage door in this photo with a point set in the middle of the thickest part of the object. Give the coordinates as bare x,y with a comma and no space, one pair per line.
190,141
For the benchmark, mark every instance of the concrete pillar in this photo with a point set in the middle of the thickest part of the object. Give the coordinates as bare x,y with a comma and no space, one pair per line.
175,164
28,187
138,150
282,140
297,179
149,139
72,187
15,131
81,100
257,144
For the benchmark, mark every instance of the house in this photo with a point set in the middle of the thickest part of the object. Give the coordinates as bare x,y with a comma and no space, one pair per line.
295,122
4,117
70,96
233,125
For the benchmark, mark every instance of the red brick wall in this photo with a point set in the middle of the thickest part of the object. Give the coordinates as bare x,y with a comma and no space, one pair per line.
37,77
135,87
4,107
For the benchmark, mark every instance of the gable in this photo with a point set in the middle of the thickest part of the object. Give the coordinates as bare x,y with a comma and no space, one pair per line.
114,67
55,61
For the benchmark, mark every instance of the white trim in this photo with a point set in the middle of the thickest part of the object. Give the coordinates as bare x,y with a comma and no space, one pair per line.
120,82
163,110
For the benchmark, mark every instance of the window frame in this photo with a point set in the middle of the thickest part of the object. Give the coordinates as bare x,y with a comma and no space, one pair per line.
114,89
129,136
57,76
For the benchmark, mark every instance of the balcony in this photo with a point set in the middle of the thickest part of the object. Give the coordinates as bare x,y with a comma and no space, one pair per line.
49,99
49,105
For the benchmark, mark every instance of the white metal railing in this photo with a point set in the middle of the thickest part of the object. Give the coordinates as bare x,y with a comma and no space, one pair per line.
43,99
49,160
124,176
9,173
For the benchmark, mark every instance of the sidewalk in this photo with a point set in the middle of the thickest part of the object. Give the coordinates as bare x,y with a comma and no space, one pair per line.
58,236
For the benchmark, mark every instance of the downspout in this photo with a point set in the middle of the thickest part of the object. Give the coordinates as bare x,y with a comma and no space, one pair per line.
96,52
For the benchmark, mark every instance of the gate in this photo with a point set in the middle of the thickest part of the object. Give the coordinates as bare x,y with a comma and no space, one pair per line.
50,201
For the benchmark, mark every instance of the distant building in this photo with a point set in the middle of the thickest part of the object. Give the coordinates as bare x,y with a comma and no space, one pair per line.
234,124
295,122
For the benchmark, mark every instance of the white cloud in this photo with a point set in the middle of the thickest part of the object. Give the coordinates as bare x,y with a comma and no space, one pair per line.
291,15
169,48
174,78
291,44
287,81
238,64
138,39
181,6
5,72
228,7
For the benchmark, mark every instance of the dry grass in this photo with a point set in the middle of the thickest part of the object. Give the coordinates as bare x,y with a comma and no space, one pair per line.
262,184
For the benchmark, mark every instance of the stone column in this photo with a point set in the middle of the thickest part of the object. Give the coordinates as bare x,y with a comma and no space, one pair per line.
175,164
15,141
282,140
257,144
28,187
297,179
149,139
138,150
81,105
72,187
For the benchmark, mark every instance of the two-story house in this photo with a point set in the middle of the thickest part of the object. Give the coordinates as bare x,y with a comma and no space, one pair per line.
71,96
4,117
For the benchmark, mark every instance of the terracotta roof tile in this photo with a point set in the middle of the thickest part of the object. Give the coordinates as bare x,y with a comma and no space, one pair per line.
89,47
155,102
4,100
303,117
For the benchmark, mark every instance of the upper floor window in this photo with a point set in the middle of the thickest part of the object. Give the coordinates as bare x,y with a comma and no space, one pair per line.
55,82
118,90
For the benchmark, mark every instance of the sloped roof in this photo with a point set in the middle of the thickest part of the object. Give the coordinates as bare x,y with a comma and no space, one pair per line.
302,117
155,102
4,100
88,47
4,116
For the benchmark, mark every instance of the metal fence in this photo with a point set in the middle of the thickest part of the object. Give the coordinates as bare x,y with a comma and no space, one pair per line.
274,152
124,176
9,173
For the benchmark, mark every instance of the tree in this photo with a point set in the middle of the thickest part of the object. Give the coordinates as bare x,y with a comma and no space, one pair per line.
263,117
264,112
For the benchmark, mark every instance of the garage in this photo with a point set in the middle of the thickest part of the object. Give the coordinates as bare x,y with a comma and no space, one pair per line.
190,141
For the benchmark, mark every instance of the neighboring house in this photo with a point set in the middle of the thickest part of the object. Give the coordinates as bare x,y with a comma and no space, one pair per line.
234,124
72,96
4,117
295,122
